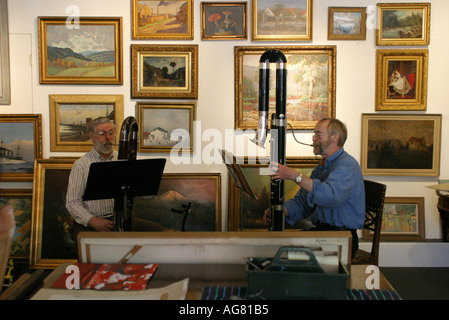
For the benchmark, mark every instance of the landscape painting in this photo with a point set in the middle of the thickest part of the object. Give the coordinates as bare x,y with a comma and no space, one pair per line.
164,71
282,20
154,19
310,90
403,24
401,144
165,126
201,190
84,52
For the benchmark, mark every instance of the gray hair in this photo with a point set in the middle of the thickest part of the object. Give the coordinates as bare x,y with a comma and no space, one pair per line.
92,125
335,126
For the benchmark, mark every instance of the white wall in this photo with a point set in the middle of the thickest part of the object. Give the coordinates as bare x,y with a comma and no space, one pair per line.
355,86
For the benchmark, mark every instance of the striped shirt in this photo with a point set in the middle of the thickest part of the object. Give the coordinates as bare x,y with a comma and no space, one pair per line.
83,211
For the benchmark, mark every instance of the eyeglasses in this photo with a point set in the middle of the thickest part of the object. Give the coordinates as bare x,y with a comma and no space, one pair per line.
103,133
319,135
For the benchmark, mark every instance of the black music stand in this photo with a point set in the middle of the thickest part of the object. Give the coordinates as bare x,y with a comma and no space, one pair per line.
123,180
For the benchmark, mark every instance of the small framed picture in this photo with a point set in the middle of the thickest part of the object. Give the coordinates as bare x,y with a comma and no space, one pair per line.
401,79
166,127
164,71
167,20
346,23
403,24
282,20
223,21
402,220
21,145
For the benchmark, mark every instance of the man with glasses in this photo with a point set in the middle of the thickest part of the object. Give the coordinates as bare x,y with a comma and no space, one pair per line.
95,215
334,193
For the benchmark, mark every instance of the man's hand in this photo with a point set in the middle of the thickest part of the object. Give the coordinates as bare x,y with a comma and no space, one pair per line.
101,224
280,171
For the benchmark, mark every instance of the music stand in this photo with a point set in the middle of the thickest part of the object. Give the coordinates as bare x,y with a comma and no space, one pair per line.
124,180
236,173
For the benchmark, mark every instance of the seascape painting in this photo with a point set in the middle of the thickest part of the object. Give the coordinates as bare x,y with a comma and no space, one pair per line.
17,147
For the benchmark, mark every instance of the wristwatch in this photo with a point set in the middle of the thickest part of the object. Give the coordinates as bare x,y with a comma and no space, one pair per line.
298,179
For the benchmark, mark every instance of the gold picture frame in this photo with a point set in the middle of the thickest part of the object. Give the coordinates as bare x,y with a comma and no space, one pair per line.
319,105
51,243
158,122
282,20
5,76
245,212
164,71
401,79
173,21
403,24
21,136
69,115
101,63
224,21
401,144
346,23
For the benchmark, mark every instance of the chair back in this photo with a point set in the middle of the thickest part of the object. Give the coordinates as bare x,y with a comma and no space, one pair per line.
374,199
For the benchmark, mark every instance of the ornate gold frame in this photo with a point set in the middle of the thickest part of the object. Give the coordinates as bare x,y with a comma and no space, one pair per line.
37,261
139,34
242,95
187,52
407,39
387,99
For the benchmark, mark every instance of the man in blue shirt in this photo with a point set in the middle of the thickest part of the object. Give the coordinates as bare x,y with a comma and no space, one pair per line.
334,193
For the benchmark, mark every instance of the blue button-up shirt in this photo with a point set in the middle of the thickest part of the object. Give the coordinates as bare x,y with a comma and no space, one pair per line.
337,197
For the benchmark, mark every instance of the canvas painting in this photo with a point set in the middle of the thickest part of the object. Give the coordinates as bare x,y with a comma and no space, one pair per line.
87,53
201,190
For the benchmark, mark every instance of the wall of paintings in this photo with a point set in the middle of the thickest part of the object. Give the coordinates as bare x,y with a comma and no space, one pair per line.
197,69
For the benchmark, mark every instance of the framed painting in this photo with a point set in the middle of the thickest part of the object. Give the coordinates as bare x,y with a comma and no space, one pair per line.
166,127
164,71
401,144
70,115
176,191
402,220
20,200
51,243
311,93
403,24
346,23
5,81
88,51
21,144
166,20
246,212
223,21
401,79
282,20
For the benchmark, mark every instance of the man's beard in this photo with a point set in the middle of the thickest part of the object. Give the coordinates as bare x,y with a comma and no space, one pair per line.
104,148
320,146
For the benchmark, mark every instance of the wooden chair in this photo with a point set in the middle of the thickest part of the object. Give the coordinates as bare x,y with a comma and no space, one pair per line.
374,198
